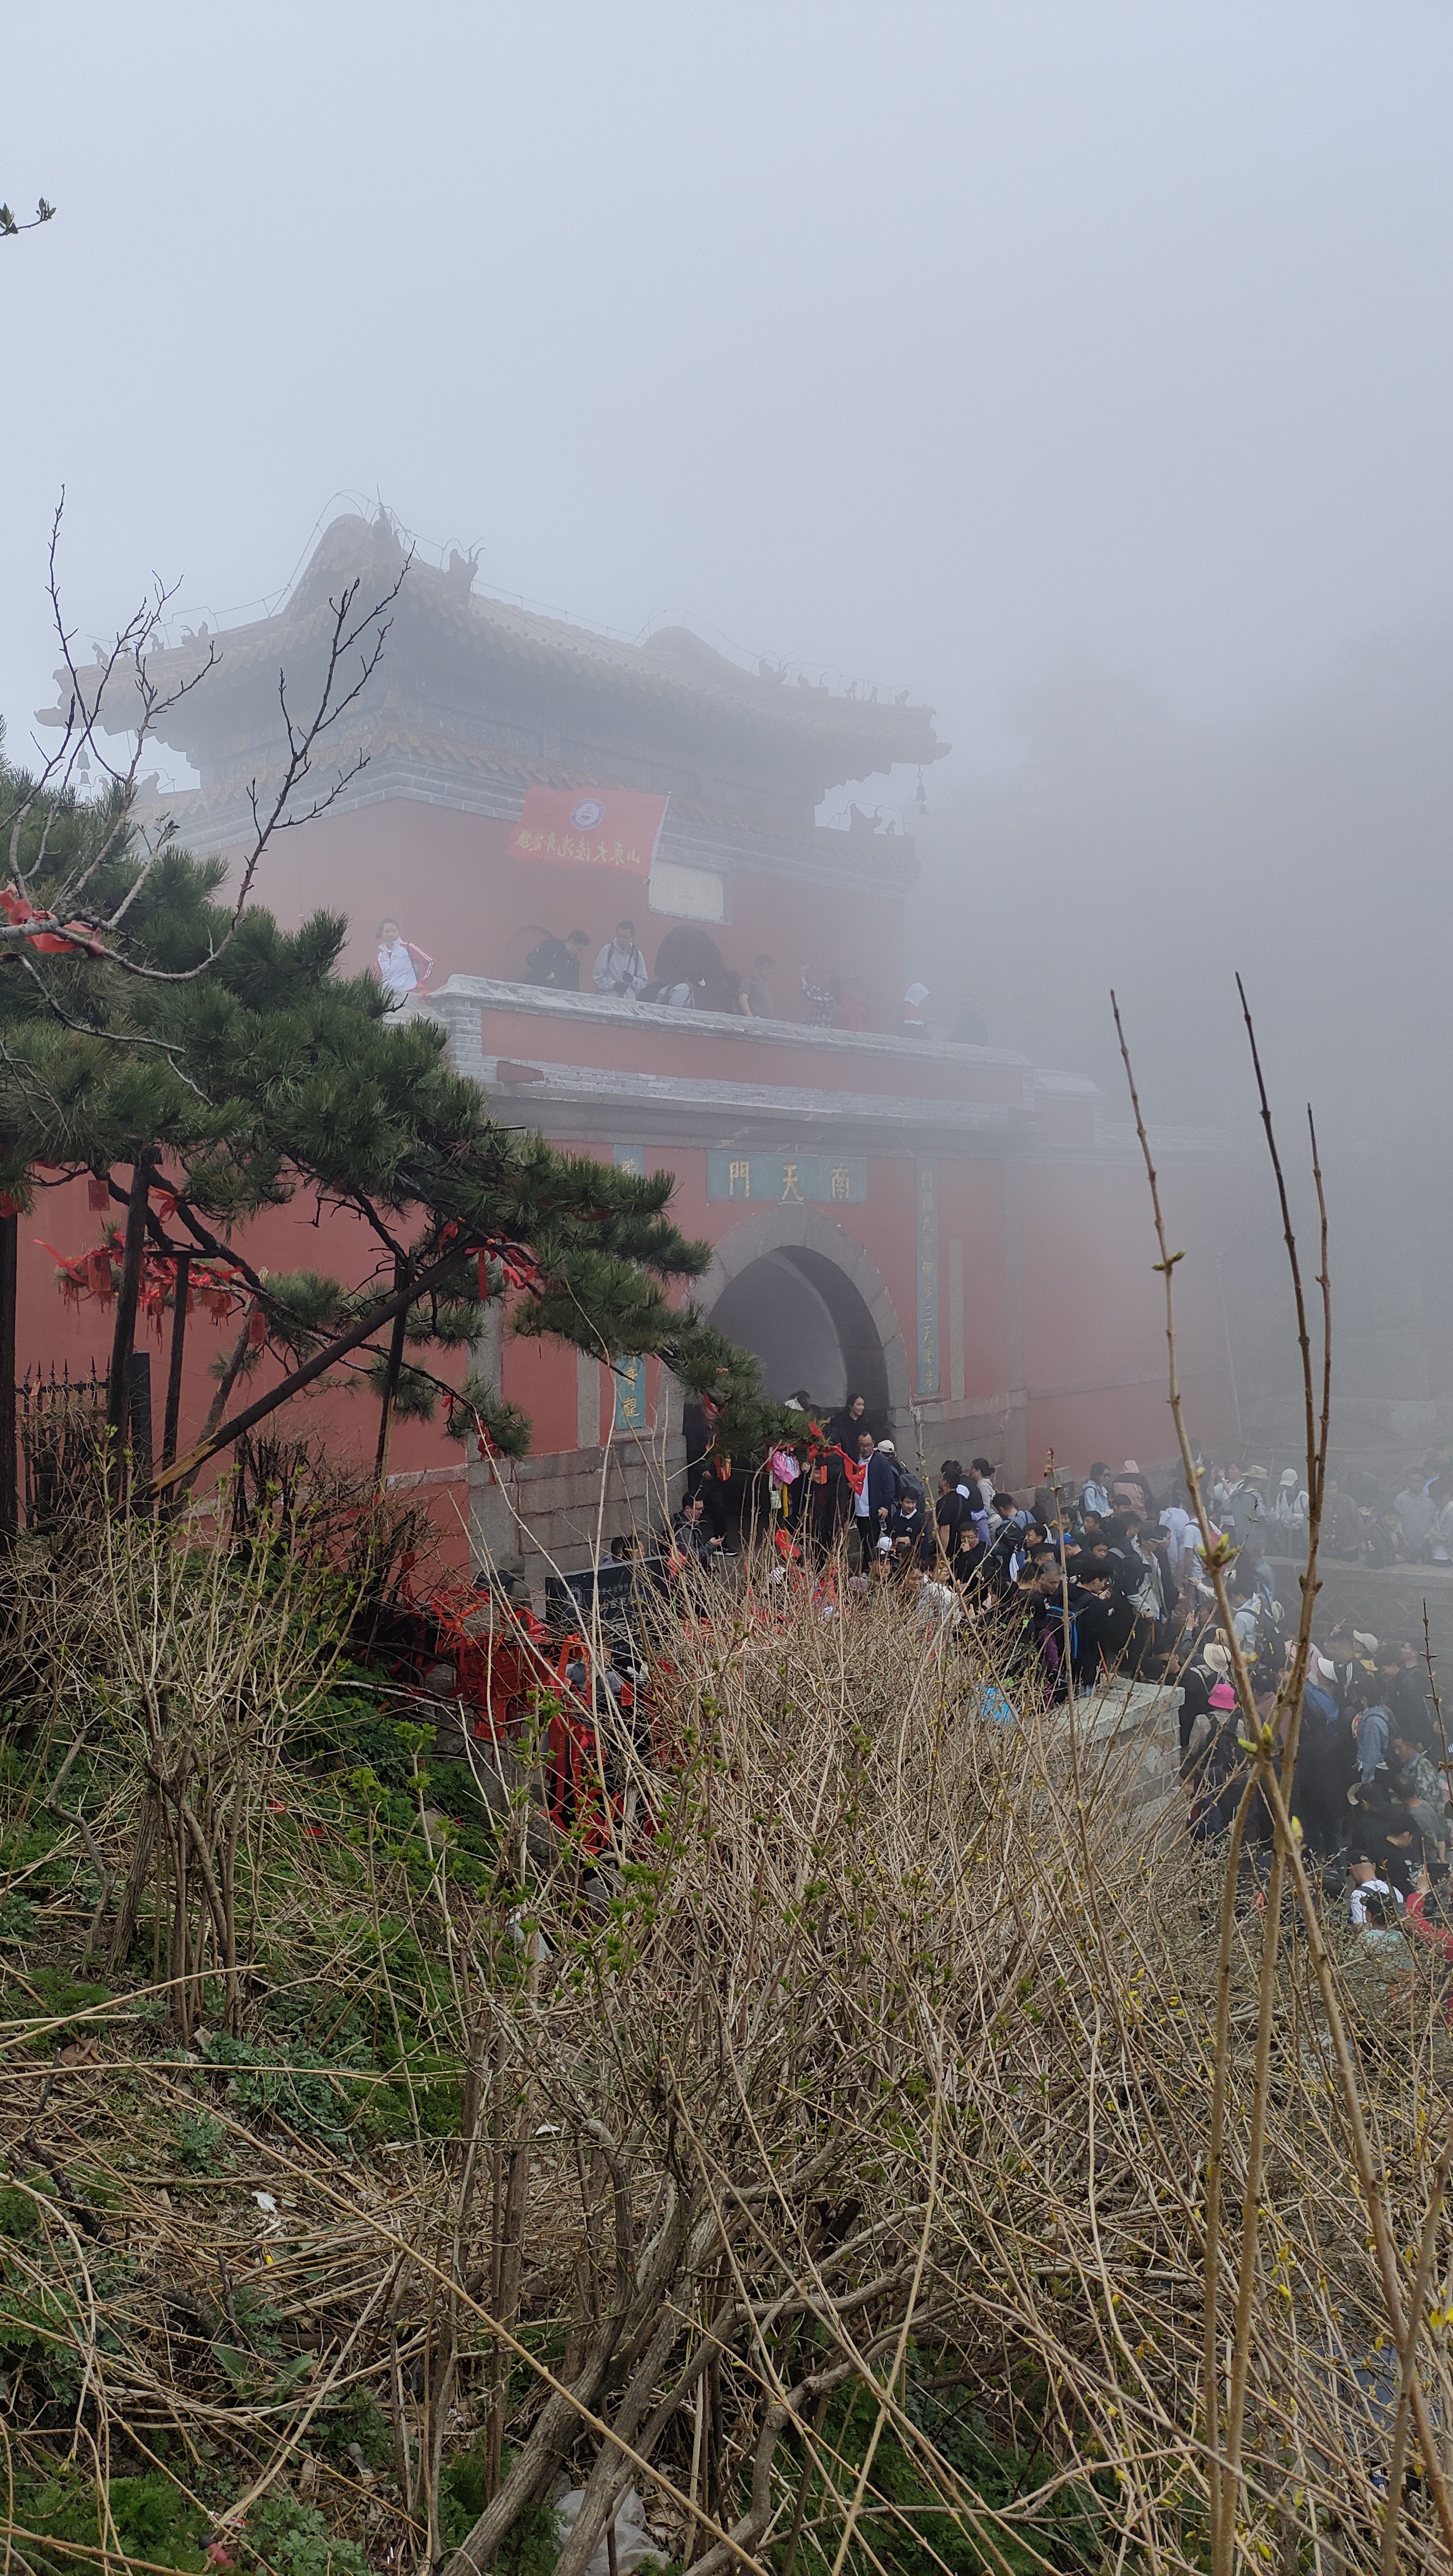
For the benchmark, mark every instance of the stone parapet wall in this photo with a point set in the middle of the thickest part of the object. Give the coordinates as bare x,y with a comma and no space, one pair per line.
552,1512
1128,1736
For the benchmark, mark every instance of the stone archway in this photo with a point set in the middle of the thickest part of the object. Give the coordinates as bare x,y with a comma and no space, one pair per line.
814,1299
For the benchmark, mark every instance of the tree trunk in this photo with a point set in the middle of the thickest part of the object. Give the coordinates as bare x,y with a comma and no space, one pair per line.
118,1384
174,1359
221,1435
182,1485
391,1383
140,1869
9,1456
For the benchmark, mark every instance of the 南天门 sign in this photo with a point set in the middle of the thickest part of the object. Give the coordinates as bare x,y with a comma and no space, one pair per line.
793,1180
615,829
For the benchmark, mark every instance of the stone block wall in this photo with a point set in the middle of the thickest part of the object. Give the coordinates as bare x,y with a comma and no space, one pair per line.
555,1512
1130,1732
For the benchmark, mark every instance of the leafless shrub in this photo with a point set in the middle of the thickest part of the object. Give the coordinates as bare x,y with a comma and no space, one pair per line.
876,2057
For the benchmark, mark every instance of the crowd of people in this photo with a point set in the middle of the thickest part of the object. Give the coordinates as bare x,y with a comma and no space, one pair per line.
690,974
1074,1583
1078,1581
1363,1521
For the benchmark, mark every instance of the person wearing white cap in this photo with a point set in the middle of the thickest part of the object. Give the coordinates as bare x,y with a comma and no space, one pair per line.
1291,1504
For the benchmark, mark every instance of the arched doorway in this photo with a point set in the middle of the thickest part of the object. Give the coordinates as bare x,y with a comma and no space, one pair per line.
811,1303
808,1326
687,955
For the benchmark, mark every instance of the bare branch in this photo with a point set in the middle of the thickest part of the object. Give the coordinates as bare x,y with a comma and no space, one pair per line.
133,644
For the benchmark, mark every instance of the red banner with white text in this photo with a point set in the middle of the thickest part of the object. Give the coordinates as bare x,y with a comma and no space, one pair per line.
615,829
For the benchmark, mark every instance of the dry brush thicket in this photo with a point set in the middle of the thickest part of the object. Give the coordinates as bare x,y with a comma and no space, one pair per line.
827,2162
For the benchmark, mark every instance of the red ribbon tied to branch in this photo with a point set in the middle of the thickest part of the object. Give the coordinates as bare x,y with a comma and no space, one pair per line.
56,938
216,1286
518,1263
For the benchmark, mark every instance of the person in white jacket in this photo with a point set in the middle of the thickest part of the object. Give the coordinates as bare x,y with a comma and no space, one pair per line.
620,969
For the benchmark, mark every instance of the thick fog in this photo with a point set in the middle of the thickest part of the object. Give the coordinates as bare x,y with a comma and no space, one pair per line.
1084,369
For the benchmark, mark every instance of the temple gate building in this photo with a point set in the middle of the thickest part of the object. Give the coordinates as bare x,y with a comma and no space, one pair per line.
958,1233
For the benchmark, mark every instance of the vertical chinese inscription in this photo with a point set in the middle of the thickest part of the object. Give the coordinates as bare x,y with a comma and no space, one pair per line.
630,1384
926,1181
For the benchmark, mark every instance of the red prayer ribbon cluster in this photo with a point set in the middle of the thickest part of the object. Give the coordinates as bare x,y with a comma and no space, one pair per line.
214,1287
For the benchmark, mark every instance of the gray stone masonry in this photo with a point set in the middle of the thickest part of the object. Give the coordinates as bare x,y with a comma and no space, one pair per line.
547,1513
1129,1735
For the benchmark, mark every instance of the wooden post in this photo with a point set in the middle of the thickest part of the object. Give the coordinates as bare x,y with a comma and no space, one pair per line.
174,1359
118,1383
9,1457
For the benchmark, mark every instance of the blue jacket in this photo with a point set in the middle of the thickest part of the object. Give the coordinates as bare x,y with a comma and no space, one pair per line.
1373,1729
881,1488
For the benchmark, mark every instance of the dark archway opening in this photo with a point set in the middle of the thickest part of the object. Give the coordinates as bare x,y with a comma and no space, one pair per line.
809,1326
687,955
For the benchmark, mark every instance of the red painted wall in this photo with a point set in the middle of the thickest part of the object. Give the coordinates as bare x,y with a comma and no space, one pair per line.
51,1334
1094,1310
1091,1310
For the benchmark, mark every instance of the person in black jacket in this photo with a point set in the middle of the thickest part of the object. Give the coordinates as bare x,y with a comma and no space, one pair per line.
1104,1625
1403,1688
556,962
873,1507
948,1513
835,1503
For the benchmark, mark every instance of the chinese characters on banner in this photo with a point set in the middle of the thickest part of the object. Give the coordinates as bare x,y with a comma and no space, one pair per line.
793,1180
927,1181
630,1375
615,829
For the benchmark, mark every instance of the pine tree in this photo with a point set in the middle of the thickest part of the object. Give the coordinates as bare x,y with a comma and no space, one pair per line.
225,1066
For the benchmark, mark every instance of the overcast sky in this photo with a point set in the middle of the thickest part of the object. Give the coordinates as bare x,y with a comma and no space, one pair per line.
917,344
1085,368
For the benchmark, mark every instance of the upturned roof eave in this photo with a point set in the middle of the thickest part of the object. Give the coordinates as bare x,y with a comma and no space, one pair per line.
804,723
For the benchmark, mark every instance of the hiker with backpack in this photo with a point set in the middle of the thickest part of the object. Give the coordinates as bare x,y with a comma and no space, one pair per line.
1325,1769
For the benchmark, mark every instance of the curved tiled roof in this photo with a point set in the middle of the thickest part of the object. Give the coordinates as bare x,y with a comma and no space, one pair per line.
405,759
474,644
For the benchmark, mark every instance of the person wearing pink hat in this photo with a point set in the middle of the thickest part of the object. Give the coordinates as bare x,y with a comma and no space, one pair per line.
1219,1769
